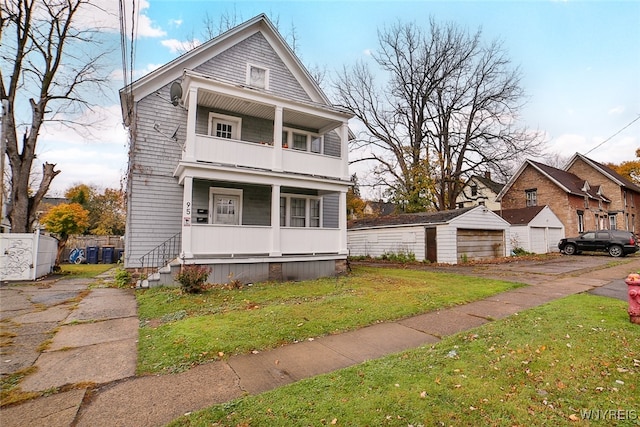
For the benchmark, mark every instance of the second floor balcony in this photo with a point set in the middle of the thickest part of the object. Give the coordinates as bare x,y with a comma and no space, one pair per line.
243,127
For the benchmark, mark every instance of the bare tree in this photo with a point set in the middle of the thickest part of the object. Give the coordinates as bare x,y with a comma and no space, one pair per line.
449,109
50,60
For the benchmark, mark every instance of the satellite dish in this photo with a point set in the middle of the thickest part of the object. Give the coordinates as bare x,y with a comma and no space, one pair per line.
176,93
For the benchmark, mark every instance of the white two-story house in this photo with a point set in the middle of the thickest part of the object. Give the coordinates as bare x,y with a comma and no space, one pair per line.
237,161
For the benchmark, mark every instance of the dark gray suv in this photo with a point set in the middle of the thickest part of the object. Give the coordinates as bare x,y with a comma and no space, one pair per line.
616,242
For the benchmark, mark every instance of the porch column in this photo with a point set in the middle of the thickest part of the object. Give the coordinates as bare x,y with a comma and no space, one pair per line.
275,221
187,208
342,223
277,139
344,152
190,143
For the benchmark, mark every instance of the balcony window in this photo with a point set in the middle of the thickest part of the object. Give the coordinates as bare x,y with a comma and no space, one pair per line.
302,140
223,126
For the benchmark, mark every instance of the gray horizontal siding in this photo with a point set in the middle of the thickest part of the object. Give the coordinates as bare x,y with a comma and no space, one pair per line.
154,199
231,65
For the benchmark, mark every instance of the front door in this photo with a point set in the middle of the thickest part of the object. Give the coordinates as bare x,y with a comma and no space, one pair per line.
226,209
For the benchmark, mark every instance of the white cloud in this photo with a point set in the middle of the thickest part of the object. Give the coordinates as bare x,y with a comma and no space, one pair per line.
92,155
175,22
178,46
616,110
367,52
105,15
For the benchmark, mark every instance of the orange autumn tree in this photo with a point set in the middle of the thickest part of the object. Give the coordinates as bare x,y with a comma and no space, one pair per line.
629,169
64,220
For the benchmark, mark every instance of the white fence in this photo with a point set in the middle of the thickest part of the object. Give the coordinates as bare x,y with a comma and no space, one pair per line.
26,256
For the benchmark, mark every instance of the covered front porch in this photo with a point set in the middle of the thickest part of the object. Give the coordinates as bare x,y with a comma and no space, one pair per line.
234,219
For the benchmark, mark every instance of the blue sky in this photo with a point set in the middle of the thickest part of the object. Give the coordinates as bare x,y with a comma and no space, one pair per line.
580,62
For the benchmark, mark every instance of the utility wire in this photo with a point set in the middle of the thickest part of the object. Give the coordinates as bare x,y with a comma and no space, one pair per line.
630,123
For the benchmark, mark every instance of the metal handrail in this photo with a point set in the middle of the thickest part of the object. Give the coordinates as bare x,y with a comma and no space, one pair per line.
162,254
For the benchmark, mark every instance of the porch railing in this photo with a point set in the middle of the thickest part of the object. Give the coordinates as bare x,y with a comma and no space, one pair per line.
162,254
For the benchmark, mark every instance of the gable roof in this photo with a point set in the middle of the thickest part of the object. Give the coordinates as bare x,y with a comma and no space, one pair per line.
488,182
440,217
521,216
567,181
174,69
608,172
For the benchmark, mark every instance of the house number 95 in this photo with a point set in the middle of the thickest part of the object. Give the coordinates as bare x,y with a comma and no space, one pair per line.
188,208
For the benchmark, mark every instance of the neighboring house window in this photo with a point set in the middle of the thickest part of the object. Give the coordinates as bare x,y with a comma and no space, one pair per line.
580,221
223,126
301,140
624,196
257,76
612,221
300,211
460,205
481,203
225,205
532,197
474,190
626,222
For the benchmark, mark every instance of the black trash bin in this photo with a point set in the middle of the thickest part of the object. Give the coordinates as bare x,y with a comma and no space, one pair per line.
107,254
92,254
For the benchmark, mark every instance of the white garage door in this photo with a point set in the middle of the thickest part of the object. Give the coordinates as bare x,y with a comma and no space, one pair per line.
480,244
539,244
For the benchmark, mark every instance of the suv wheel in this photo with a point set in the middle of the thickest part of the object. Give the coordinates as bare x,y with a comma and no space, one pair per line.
570,249
615,250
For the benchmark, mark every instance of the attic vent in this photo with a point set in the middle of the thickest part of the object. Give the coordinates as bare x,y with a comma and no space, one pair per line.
257,76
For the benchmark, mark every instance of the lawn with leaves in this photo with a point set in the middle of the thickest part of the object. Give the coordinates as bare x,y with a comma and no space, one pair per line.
180,330
574,361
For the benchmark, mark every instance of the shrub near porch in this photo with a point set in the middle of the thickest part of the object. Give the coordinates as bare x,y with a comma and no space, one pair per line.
181,330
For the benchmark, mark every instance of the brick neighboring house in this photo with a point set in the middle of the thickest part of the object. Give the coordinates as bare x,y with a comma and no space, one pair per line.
585,196
624,209
480,190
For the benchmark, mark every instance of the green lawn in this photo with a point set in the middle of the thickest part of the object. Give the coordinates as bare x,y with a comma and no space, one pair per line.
85,270
574,361
181,330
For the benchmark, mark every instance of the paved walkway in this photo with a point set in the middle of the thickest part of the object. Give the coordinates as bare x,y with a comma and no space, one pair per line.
92,335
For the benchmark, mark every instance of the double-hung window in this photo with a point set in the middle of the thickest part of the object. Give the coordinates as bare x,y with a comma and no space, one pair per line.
532,197
300,211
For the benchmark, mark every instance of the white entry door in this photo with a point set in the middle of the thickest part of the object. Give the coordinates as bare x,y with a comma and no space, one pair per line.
226,209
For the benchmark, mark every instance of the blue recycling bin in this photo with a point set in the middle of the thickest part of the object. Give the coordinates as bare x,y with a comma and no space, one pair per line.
107,254
92,254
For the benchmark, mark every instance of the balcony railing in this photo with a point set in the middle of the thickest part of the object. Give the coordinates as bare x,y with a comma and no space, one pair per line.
263,156
238,241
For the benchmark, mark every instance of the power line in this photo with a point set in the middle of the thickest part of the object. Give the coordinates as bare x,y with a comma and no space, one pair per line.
630,123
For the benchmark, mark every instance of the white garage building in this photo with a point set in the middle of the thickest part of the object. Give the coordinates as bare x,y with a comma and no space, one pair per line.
535,229
443,237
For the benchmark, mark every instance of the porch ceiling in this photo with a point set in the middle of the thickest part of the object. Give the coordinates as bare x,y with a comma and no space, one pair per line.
264,111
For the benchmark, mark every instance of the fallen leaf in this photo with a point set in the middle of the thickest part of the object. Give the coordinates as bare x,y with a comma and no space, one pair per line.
334,421
423,394
574,417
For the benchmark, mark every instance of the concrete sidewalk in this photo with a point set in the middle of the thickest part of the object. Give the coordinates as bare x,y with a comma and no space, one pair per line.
92,356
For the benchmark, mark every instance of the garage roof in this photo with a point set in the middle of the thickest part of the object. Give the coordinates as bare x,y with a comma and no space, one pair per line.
439,217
